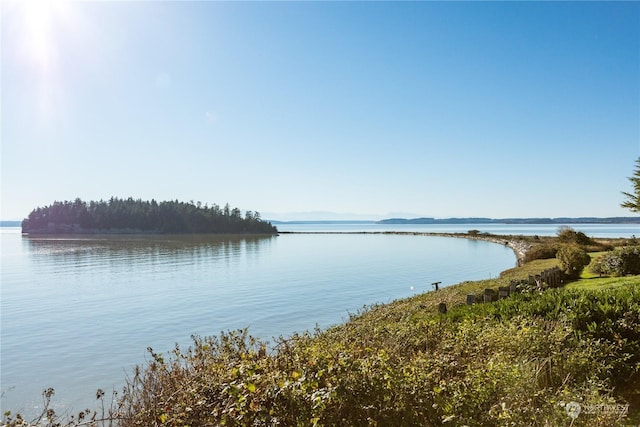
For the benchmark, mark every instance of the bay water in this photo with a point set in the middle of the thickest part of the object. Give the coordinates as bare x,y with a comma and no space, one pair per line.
78,312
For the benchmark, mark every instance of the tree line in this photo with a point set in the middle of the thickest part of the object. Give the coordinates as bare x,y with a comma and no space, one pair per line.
136,215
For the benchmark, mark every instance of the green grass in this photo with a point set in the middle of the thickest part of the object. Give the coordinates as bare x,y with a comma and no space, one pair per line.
601,283
592,281
586,273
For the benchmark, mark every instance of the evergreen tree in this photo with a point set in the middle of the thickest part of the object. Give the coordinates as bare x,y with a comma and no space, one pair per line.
632,201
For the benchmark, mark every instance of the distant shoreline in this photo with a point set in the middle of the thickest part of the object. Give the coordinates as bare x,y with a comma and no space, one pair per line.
479,221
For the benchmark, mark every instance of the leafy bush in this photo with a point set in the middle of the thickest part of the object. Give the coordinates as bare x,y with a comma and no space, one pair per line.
543,251
569,235
572,260
630,259
609,320
621,261
608,264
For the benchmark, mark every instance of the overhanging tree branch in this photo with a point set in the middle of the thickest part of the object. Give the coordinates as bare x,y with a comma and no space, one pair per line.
632,200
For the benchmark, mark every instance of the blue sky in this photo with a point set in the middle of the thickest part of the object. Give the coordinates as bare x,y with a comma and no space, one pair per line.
362,109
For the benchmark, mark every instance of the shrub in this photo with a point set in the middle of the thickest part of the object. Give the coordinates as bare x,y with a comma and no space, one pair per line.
541,252
572,260
622,261
608,265
630,259
569,235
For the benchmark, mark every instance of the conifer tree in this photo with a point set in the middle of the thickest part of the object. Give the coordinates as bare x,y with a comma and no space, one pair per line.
632,201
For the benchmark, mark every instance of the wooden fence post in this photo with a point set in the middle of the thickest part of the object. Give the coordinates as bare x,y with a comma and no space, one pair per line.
513,286
488,295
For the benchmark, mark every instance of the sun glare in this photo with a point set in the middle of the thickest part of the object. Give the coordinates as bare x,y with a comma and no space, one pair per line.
40,21
37,33
37,30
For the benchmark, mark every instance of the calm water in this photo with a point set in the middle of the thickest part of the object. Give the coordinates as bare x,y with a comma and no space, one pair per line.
79,312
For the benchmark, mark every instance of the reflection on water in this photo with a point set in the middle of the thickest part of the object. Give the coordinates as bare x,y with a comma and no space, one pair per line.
148,255
79,310
140,247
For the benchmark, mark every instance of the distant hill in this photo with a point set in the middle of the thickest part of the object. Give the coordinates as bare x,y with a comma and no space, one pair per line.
580,220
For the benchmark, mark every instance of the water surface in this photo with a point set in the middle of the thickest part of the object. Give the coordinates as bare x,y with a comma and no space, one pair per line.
78,313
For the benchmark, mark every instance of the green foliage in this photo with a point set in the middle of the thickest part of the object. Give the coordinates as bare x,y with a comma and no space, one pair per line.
138,215
570,236
548,248
542,251
632,200
572,259
619,262
608,321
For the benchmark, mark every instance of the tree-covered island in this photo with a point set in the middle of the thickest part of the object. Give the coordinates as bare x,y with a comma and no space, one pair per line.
137,216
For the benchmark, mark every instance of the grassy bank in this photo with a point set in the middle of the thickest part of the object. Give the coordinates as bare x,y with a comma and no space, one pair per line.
565,356
518,361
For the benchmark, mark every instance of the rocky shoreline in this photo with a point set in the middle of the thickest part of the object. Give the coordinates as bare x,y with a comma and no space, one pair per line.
519,247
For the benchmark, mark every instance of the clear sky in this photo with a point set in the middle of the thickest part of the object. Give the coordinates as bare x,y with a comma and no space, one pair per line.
491,109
